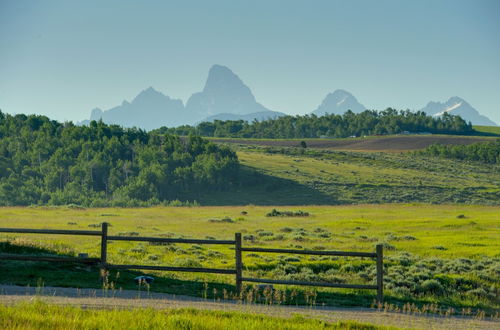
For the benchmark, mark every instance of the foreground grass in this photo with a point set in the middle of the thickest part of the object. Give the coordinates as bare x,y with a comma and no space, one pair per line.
39,315
435,254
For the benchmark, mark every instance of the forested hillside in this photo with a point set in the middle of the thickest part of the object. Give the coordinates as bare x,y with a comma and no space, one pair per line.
368,122
46,162
483,152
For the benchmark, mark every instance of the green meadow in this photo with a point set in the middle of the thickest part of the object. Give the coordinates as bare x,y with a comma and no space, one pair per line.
296,176
495,130
435,254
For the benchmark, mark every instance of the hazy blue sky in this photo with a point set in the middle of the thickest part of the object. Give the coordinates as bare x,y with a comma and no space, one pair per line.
63,58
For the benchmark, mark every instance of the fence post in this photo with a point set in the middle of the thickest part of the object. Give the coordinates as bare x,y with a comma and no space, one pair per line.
239,264
380,273
104,250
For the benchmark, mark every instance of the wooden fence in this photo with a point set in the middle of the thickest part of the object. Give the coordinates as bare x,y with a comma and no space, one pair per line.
237,271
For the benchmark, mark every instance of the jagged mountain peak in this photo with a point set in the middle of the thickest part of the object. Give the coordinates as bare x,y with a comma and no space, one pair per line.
457,106
224,92
339,102
222,80
149,93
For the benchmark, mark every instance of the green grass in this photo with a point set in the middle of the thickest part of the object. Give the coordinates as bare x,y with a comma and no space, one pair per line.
39,315
287,176
488,129
455,245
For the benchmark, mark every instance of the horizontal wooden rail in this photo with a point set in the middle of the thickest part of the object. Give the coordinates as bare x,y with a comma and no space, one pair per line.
51,231
330,285
238,271
175,269
169,240
318,253
48,258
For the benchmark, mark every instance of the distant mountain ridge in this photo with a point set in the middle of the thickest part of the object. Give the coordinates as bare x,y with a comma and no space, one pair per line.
146,110
260,116
458,106
337,103
226,97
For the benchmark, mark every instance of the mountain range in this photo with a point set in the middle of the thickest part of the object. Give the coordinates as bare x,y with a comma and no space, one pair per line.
226,97
457,106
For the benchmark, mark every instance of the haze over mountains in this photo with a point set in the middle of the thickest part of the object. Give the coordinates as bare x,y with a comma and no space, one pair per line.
339,102
226,97
457,106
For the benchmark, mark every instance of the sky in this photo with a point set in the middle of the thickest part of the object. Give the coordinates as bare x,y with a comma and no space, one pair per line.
64,58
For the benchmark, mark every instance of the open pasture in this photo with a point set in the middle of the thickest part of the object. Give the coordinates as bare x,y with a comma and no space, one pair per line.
434,254
285,176
393,143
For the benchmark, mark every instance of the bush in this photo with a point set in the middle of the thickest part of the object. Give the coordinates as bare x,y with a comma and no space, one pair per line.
187,262
276,213
432,286
128,233
250,238
387,246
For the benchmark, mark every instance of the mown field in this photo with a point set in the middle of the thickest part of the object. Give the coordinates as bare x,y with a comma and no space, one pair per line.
389,143
443,254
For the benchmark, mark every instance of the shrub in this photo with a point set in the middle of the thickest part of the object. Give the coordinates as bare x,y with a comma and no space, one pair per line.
479,292
187,262
432,286
387,246
128,233
215,254
291,259
276,213
250,238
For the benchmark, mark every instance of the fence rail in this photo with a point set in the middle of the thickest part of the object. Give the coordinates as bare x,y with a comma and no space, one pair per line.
237,271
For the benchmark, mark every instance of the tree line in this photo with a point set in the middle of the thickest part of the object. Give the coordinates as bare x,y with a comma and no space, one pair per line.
369,122
486,152
43,161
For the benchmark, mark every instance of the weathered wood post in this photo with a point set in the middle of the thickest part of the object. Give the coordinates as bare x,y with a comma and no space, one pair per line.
104,251
239,264
380,273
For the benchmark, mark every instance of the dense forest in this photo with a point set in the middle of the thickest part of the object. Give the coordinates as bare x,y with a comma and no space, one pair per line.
369,122
488,152
46,162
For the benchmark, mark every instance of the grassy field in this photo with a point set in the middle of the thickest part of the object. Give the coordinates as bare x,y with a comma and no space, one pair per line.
445,254
386,143
488,129
34,316
287,176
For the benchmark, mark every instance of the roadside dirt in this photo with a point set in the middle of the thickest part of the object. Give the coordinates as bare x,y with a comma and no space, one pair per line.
124,299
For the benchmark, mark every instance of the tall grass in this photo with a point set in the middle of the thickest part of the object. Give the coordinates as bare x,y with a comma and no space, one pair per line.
40,315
